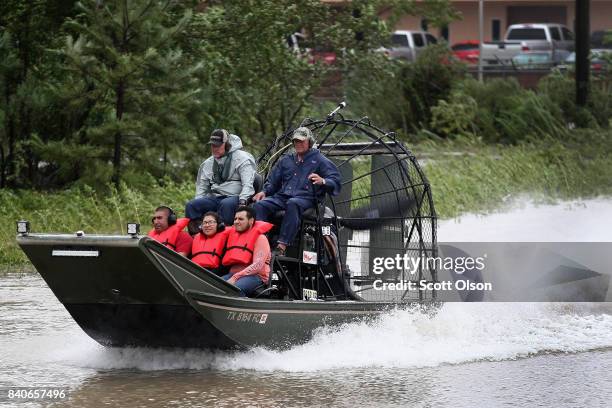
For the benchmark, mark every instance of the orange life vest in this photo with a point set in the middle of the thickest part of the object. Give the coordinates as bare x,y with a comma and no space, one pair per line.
206,251
169,236
240,245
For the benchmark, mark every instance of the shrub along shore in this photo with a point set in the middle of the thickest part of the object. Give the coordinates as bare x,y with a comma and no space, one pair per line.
466,175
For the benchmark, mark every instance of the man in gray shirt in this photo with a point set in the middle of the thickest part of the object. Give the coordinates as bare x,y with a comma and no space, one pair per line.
225,179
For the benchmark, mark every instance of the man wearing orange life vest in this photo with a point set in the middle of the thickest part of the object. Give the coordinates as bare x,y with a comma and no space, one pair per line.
168,230
247,252
208,244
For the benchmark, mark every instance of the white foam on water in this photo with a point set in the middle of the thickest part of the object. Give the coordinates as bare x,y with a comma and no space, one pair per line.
526,221
457,333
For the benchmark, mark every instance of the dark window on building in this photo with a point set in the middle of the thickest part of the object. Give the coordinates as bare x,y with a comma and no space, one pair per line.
598,39
536,14
445,32
424,24
496,30
418,40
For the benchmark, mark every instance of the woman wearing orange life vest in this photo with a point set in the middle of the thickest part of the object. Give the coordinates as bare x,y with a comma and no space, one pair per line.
208,245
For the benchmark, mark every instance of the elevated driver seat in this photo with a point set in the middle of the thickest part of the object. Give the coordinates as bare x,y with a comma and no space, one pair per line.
258,183
309,215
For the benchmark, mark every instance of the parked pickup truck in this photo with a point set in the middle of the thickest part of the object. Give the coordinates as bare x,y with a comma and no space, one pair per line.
408,45
555,39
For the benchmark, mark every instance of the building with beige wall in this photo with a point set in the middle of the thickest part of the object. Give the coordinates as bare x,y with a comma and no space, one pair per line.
499,14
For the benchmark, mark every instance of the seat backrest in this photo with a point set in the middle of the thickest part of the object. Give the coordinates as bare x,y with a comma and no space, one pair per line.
258,182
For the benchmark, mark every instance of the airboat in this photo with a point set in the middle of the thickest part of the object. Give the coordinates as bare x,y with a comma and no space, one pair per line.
129,290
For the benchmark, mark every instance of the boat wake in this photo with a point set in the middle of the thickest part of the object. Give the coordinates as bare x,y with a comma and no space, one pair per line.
524,220
458,333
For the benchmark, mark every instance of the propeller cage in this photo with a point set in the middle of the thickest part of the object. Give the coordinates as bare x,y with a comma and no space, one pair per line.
384,211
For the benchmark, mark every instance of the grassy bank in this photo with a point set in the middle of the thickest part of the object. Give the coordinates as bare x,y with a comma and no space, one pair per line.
81,209
475,178
483,177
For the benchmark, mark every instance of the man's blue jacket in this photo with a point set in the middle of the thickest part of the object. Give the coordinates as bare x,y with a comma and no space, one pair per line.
290,177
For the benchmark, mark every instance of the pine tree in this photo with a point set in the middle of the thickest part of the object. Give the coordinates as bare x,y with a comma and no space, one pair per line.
135,79
28,28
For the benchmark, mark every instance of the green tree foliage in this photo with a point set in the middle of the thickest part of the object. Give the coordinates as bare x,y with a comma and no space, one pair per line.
498,110
27,29
108,90
130,84
501,111
429,79
9,70
437,13
400,95
259,83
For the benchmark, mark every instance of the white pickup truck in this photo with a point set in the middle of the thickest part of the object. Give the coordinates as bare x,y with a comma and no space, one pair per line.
408,45
556,39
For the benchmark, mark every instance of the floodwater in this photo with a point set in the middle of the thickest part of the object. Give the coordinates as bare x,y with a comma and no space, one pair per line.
467,355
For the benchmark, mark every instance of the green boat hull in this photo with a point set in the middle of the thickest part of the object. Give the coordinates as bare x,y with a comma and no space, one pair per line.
278,324
125,291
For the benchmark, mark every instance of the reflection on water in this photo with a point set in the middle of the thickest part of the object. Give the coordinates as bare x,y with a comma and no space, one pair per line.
553,380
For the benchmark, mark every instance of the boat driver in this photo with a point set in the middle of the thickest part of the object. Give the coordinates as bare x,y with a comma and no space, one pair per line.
295,184
224,180
168,229
247,252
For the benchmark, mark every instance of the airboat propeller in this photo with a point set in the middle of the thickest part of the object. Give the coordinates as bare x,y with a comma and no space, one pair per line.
385,206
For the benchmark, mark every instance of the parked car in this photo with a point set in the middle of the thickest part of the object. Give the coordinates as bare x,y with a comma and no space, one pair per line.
533,60
600,60
408,45
298,43
467,51
601,39
556,39
322,54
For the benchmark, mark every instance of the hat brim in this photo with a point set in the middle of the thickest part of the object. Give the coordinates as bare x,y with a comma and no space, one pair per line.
300,138
215,143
